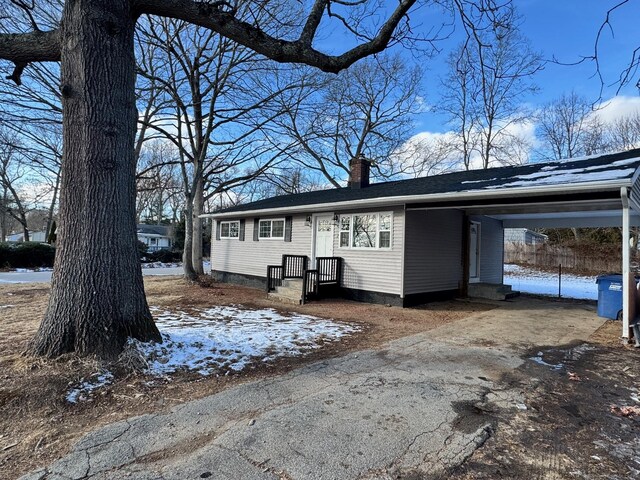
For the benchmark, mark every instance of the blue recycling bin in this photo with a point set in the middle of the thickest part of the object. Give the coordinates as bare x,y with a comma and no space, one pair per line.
610,296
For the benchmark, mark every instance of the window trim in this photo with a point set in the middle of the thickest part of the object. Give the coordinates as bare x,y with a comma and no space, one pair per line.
377,247
271,220
228,237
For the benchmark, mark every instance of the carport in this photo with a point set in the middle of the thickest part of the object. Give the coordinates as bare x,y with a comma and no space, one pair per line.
601,192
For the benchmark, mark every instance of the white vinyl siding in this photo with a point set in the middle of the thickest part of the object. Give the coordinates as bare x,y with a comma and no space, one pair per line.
433,256
491,249
251,258
374,269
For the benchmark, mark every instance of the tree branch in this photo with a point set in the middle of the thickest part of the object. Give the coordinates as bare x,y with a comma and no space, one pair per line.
24,48
284,51
313,21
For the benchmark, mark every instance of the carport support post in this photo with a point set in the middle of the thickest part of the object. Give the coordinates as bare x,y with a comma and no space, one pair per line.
628,283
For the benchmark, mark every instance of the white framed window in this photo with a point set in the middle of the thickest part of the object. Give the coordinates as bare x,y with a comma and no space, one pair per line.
273,229
230,229
366,230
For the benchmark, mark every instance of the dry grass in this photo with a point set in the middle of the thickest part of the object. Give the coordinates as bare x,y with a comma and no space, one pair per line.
38,425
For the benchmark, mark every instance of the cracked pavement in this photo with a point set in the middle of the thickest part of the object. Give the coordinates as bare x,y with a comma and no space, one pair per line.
419,406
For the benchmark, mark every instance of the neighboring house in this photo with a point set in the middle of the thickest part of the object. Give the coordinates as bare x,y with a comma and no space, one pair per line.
33,237
410,241
524,236
155,237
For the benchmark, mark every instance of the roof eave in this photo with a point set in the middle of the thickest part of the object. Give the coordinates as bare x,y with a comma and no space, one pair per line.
431,197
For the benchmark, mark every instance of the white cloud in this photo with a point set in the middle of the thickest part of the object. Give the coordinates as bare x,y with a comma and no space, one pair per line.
618,107
431,153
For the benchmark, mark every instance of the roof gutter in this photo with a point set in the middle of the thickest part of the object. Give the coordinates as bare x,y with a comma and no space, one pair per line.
401,199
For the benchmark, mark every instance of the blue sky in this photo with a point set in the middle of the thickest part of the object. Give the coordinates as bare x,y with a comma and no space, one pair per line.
566,30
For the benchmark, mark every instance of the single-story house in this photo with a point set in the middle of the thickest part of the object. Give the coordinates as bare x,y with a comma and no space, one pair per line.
408,241
524,236
155,237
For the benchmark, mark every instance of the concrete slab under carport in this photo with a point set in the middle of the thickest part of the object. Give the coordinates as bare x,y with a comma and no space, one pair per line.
524,322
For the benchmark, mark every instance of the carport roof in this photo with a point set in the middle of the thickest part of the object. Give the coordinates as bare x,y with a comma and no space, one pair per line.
589,174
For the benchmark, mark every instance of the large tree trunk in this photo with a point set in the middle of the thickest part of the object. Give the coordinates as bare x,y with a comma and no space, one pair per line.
196,247
187,257
97,295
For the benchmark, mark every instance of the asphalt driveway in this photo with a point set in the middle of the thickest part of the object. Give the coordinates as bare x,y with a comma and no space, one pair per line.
413,409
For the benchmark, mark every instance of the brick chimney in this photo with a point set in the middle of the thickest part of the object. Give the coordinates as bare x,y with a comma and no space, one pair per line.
359,172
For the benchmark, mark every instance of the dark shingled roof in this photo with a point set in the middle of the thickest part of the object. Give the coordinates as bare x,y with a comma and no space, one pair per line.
163,230
616,166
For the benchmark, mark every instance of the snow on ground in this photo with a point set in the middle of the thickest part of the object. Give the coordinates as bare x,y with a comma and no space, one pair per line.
161,265
223,339
83,391
229,338
528,280
30,270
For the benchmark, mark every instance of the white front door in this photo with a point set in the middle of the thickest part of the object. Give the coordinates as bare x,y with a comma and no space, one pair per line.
323,246
474,252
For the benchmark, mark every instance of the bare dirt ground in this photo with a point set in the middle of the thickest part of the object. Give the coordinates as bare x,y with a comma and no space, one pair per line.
37,424
573,423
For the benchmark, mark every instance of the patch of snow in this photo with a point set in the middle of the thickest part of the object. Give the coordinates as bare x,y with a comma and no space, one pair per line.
539,360
528,280
83,390
7,306
223,339
31,270
479,181
566,177
161,265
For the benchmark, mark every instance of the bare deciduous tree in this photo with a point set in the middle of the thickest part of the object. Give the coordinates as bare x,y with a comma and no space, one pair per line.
366,110
97,245
563,127
212,104
488,77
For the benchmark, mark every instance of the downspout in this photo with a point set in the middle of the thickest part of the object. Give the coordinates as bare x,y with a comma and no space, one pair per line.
629,284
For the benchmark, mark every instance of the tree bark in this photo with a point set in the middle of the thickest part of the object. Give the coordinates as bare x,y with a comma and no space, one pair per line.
97,294
187,252
196,247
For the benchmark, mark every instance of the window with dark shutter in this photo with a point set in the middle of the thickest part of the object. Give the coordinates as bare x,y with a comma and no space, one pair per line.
256,229
241,235
218,230
288,221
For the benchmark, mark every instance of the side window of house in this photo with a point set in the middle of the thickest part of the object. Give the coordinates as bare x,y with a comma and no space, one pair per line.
345,231
384,230
229,229
367,230
271,229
